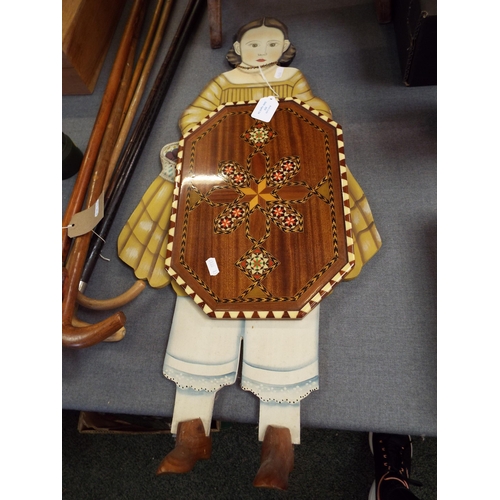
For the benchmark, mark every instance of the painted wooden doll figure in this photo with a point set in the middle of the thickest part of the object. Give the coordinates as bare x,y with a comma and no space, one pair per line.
279,357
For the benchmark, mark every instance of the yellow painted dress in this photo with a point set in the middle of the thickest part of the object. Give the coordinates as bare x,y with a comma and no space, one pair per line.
142,244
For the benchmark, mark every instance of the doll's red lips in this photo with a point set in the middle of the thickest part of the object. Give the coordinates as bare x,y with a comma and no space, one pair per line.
260,60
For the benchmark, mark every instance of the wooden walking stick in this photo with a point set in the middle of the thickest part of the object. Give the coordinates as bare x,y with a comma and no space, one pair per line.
138,86
115,302
156,29
142,130
82,181
113,126
102,165
86,336
75,336
135,92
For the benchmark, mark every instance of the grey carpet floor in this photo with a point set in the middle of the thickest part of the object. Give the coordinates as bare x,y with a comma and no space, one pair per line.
329,464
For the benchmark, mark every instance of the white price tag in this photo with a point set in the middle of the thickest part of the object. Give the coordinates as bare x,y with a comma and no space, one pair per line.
265,108
213,268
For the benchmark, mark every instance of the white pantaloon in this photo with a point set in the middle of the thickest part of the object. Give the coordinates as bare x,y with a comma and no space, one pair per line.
279,364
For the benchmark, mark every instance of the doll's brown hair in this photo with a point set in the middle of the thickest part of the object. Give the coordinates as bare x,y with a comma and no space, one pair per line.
286,58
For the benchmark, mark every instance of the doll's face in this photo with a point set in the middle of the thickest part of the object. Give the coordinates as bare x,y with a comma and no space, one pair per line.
261,46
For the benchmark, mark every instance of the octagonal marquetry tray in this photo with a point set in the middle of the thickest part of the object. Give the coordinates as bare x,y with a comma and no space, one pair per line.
260,224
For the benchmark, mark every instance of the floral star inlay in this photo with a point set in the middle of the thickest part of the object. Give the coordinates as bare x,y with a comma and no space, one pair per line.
258,193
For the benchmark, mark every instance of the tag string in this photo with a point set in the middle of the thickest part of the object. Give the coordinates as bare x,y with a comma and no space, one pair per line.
104,241
99,236
268,84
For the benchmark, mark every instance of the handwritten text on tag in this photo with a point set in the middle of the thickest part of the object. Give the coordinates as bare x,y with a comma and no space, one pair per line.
265,109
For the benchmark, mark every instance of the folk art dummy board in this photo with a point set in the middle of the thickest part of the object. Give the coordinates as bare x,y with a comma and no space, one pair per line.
254,218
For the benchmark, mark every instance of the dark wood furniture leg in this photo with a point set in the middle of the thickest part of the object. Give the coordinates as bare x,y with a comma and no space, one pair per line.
215,23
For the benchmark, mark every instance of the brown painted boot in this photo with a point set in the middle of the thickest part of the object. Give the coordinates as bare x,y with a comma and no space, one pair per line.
191,445
276,460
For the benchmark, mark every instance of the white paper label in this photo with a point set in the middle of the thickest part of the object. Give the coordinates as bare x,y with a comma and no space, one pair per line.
213,269
265,109
279,72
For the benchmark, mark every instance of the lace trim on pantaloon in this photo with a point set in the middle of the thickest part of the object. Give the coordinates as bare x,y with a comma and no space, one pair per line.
198,382
281,393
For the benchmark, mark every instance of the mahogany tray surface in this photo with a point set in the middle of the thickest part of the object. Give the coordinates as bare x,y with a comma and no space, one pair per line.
270,203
